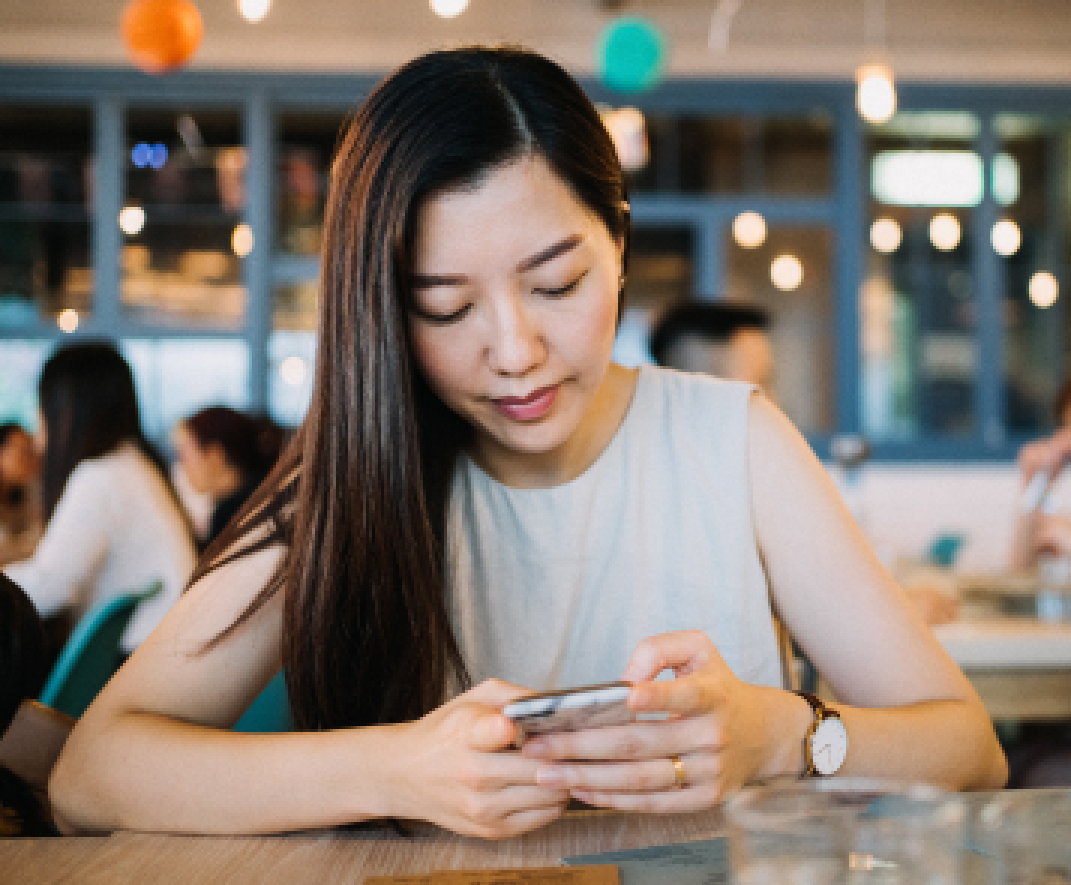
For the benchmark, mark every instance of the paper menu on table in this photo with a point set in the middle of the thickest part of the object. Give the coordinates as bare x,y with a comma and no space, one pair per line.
689,863
601,874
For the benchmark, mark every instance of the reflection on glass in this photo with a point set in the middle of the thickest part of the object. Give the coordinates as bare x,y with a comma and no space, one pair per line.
46,186
185,192
735,155
177,376
800,304
306,148
660,273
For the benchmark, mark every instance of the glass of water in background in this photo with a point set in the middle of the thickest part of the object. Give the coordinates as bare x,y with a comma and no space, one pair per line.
1027,834
847,831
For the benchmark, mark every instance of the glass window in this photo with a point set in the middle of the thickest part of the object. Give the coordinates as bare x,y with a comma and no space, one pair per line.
737,155
1026,239
660,273
306,147
790,274
918,301
20,367
292,361
177,376
46,172
183,234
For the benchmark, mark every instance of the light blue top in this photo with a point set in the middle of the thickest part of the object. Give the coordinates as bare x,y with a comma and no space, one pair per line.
555,587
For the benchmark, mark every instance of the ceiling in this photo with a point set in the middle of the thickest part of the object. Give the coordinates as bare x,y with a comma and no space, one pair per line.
935,40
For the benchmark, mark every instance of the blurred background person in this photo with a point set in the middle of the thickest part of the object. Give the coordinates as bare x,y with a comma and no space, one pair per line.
224,454
24,667
723,338
20,499
112,520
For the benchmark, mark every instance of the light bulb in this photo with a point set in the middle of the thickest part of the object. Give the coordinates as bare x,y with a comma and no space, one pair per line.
885,235
1006,237
944,232
875,96
786,272
749,230
448,8
1043,289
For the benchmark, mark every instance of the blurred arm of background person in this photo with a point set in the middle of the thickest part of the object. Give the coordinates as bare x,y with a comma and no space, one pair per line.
1037,529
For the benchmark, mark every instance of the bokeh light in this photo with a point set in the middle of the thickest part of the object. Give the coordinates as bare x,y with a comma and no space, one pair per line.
242,240
786,272
749,230
253,10
131,220
944,232
631,54
875,96
67,320
449,8
1043,289
292,371
885,235
1006,237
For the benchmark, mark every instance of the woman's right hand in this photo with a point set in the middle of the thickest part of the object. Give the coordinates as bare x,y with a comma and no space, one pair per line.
462,769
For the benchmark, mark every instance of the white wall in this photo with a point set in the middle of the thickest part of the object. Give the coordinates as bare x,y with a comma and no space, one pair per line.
903,508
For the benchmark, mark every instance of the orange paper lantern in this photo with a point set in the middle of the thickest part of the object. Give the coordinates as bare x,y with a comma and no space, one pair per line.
161,35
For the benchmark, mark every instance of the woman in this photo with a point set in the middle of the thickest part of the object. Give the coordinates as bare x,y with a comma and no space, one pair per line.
478,494
225,455
113,523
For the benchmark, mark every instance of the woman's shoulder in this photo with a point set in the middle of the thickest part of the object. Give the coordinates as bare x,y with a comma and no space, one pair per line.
691,393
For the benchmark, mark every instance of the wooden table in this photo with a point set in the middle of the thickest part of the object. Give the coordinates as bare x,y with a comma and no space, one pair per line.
334,855
1019,664
351,855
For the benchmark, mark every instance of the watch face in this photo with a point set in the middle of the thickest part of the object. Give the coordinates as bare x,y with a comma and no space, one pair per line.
829,746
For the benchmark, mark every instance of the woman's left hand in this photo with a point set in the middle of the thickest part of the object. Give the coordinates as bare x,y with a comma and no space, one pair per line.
716,725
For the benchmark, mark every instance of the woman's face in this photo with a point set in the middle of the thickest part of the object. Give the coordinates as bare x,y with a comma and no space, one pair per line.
515,298
193,459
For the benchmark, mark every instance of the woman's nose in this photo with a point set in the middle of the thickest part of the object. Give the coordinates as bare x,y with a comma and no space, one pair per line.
517,344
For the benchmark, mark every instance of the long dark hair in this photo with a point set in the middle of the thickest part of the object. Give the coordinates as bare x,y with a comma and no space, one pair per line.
360,496
87,398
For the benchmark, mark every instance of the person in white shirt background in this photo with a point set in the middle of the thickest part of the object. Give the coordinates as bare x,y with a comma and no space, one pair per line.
113,521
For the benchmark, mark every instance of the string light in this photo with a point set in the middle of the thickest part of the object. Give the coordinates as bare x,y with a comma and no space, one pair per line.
1043,289
749,230
786,272
944,232
1006,237
885,235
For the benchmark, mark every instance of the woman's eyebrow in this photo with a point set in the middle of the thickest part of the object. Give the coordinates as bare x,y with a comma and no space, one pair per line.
429,280
550,253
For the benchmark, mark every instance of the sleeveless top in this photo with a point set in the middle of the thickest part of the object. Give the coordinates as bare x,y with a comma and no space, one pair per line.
554,587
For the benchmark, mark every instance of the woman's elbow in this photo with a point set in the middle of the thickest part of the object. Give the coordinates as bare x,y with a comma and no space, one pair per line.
75,806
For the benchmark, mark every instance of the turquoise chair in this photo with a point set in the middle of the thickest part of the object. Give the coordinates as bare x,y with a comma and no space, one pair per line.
92,655
270,710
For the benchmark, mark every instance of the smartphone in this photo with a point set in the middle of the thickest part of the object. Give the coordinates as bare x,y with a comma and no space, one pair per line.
570,709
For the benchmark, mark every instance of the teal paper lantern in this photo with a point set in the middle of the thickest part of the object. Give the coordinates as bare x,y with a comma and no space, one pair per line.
632,55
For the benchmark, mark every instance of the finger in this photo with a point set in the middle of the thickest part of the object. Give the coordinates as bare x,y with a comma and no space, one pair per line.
496,693
492,732
680,651
615,777
523,821
638,740
660,802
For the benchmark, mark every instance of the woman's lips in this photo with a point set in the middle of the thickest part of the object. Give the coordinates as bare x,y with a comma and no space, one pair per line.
531,407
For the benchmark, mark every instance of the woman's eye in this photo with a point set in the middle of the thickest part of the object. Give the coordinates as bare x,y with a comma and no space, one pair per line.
564,290
442,319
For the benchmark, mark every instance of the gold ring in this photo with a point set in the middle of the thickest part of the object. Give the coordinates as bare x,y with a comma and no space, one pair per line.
680,779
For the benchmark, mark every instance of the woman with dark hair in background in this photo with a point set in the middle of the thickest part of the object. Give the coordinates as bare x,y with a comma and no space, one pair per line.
225,455
478,493
113,522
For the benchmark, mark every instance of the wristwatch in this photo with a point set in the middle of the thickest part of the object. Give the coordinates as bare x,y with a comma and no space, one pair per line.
826,743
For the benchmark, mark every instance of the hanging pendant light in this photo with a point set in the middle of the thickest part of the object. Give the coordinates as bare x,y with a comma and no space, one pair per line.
875,95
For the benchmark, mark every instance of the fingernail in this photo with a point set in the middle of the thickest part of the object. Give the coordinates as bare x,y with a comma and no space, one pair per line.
550,776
